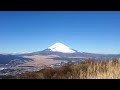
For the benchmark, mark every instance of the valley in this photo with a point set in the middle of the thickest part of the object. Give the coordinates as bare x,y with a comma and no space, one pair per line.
39,60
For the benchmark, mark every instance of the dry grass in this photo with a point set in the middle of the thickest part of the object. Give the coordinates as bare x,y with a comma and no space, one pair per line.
89,69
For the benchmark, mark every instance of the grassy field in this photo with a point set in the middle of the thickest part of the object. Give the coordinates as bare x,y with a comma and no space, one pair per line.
89,69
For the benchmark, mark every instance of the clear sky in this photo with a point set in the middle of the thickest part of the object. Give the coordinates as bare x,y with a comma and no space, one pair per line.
85,31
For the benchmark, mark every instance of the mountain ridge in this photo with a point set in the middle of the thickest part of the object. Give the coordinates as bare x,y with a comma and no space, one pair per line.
62,53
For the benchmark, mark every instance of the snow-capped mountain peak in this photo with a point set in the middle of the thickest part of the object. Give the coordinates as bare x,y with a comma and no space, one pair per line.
59,47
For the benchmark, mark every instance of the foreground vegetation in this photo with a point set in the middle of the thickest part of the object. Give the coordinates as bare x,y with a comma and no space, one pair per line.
89,69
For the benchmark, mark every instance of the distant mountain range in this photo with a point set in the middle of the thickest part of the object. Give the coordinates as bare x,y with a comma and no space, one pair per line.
65,51
10,59
57,49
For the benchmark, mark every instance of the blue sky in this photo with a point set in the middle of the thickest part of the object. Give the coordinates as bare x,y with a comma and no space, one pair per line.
86,31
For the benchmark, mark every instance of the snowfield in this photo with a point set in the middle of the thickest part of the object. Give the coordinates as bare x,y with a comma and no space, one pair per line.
59,47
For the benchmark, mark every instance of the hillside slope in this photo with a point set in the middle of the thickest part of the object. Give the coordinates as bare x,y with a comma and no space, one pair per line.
89,69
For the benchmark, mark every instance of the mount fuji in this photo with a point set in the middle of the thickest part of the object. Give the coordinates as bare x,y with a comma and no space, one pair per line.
56,49
65,51
59,47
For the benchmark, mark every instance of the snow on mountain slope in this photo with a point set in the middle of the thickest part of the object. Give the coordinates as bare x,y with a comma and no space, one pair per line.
59,47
